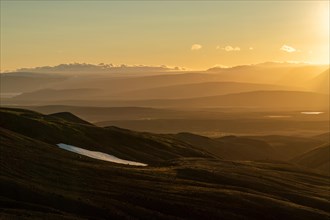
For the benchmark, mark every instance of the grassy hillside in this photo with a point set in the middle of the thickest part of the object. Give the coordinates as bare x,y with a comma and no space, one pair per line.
96,114
41,181
125,144
232,147
290,146
69,117
317,159
323,137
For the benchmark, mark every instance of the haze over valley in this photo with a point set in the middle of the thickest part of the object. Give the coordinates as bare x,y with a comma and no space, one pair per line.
218,101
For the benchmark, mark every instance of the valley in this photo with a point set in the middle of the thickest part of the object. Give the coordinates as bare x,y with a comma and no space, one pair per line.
164,110
188,177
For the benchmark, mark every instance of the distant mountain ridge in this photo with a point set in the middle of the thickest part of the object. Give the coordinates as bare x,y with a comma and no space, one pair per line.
99,68
129,78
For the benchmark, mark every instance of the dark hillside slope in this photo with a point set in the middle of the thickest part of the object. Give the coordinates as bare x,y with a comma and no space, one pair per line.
317,159
125,144
69,117
41,181
232,147
96,114
290,146
323,137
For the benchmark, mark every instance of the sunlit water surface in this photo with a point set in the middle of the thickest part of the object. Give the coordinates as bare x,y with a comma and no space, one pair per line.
98,155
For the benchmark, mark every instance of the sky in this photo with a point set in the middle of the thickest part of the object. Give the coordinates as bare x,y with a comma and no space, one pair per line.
191,34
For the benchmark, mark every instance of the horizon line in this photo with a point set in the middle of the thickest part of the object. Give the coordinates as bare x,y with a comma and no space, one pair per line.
169,68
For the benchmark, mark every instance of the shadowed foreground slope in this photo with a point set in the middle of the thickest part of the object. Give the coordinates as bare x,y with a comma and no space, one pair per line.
68,129
317,159
39,180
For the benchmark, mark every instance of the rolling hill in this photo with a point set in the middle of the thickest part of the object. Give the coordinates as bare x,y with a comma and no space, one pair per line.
40,180
97,114
317,159
323,137
59,128
232,147
290,146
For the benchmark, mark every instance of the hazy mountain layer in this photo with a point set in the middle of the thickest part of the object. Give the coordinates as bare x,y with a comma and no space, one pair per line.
271,100
197,90
321,82
292,75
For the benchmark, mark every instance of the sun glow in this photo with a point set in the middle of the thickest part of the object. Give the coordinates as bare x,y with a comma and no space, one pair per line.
319,27
176,33
324,17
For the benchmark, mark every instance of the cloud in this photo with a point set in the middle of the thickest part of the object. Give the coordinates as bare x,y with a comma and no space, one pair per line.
229,48
220,66
196,47
288,49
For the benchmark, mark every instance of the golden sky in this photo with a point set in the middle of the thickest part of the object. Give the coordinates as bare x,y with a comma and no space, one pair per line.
195,35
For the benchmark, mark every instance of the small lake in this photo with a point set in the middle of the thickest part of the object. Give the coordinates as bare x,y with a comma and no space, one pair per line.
7,95
311,113
278,116
98,155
